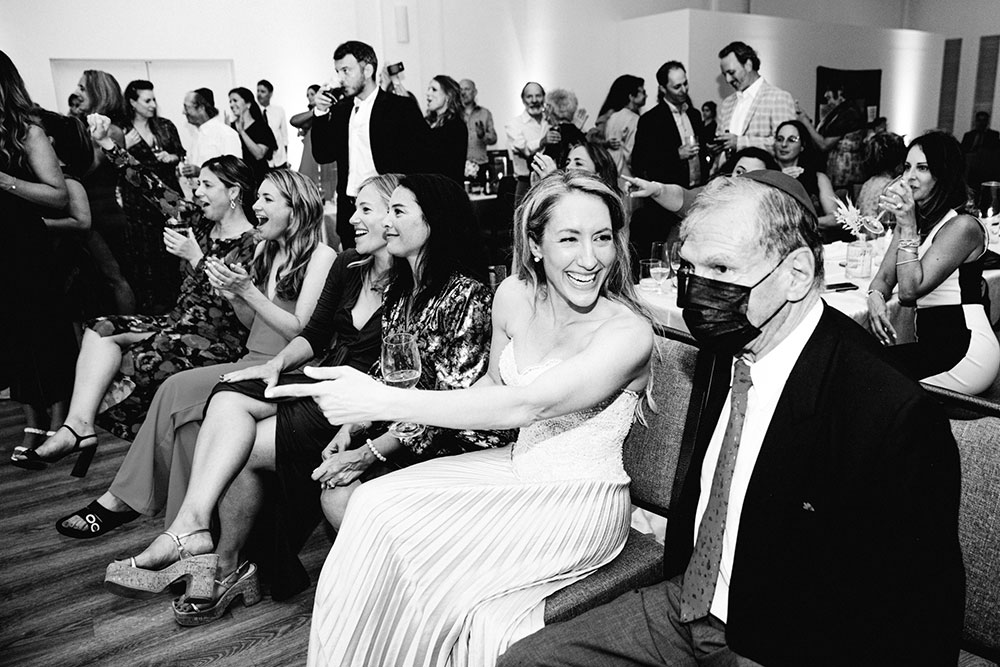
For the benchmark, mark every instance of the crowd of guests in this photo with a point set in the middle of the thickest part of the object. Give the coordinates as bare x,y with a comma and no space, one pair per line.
220,332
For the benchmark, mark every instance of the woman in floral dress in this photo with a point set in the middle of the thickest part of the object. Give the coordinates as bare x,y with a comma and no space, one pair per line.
124,359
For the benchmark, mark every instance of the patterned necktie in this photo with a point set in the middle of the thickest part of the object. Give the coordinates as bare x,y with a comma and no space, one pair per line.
703,569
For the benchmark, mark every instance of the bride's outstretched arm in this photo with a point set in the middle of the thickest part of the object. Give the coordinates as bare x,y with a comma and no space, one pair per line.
617,356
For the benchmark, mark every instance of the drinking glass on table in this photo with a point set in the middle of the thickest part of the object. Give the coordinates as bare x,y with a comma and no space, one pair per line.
674,259
401,368
659,250
657,272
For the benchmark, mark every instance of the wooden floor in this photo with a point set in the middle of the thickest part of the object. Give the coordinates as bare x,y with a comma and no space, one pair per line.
54,610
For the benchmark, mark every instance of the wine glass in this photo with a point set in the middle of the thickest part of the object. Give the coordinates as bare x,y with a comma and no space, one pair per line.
401,368
674,257
659,251
658,271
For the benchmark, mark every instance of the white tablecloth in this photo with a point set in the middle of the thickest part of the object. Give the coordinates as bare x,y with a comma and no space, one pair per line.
853,303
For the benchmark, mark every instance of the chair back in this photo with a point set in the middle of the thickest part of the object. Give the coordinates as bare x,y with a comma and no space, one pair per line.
651,452
976,427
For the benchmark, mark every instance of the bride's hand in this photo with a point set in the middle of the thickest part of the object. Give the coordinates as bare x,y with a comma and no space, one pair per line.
345,396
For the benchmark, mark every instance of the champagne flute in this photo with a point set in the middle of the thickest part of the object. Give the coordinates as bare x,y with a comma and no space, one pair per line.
401,368
674,258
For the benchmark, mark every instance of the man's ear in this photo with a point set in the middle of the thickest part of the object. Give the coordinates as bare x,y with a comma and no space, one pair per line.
802,270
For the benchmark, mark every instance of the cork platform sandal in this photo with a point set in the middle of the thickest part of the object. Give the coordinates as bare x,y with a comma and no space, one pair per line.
124,578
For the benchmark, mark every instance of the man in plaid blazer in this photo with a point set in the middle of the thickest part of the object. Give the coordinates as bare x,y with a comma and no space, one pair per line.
749,116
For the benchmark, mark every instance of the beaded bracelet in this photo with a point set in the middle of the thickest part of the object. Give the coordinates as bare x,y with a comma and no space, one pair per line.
908,243
376,452
907,261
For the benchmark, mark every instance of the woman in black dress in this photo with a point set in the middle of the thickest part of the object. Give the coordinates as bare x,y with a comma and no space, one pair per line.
37,346
245,436
797,155
448,141
101,94
256,137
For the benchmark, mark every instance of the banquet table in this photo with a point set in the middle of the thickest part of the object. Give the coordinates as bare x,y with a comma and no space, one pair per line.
852,303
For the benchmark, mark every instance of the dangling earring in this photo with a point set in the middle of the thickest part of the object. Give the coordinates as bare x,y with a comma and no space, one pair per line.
232,204
536,258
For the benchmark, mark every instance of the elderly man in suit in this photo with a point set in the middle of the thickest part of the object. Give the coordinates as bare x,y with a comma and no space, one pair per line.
817,521
750,116
367,132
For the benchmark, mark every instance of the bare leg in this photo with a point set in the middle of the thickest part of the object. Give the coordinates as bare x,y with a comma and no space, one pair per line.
99,360
224,444
334,502
242,501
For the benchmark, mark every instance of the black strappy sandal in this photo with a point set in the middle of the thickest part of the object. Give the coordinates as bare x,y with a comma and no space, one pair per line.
24,457
99,519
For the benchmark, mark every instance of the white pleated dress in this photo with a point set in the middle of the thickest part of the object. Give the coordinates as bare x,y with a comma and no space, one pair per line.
448,562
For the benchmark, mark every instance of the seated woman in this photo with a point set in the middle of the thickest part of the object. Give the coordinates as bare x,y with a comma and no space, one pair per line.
451,560
435,293
589,155
797,156
934,259
141,350
293,266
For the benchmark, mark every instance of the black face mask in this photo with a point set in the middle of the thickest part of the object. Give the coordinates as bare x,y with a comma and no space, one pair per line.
716,312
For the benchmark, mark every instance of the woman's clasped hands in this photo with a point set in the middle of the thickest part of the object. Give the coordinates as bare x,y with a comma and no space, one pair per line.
232,280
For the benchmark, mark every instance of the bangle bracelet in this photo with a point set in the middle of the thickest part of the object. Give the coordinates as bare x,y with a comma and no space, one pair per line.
907,261
908,243
875,291
376,452
907,249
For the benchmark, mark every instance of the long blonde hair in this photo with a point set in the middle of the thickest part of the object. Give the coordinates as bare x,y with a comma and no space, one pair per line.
304,233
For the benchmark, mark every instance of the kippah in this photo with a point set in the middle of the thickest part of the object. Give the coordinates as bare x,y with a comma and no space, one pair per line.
782,181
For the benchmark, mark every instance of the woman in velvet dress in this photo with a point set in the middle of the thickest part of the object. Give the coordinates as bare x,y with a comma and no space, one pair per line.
449,137
131,355
256,137
153,141
295,264
247,434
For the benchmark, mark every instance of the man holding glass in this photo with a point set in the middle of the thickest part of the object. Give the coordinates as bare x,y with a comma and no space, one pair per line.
817,521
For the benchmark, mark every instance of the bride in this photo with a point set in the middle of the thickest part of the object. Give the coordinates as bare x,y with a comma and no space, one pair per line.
450,561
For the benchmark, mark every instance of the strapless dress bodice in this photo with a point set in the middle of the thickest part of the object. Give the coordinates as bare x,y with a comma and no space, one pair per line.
580,445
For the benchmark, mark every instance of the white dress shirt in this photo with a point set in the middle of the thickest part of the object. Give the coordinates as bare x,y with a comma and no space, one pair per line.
686,132
622,125
360,161
769,375
741,112
524,133
214,139
278,123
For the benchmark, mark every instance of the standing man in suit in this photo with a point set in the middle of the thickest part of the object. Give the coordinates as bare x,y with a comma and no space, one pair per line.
367,132
817,521
981,147
667,150
750,116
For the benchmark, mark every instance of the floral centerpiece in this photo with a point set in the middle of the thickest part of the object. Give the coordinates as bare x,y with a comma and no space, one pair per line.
851,219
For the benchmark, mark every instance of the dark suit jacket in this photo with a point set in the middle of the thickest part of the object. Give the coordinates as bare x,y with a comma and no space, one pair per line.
847,552
991,141
397,132
654,155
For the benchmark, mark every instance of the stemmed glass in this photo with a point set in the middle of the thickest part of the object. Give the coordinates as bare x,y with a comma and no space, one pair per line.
674,257
401,368
656,270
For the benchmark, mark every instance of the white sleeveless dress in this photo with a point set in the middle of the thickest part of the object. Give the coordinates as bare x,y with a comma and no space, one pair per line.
448,562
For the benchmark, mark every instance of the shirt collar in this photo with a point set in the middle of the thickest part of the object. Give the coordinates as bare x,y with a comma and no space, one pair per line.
770,372
751,90
674,108
367,102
